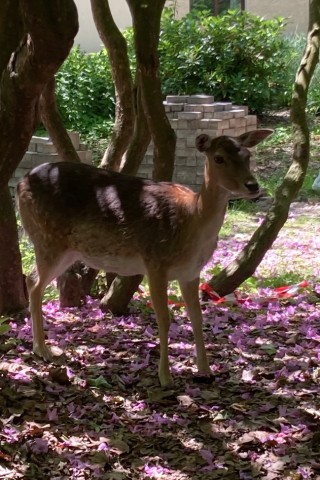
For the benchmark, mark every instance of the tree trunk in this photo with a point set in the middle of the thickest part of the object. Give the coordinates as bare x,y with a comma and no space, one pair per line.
250,257
12,288
148,13
53,123
27,62
116,46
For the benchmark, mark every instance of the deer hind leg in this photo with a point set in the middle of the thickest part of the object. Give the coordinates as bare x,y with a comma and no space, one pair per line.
158,285
46,270
190,293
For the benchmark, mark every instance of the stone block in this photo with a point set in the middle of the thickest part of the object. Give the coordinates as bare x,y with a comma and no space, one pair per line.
211,133
186,175
148,159
85,156
179,160
190,115
182,152
191,141
183,124
211,108
238,112
32,146
193,108
209,124
231,132
208,115
251,119
181,142
241,122
45,147
174,123
202,99
20,172
192,161
176,108
36,139
223,106
176,98
223,115
83,146
27,160
233,122
240,131
240,107
75,139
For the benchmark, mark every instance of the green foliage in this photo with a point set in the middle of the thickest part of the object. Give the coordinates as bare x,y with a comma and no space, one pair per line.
85,93
4,327
237,57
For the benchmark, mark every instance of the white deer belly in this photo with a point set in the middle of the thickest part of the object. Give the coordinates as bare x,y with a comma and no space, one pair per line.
121,265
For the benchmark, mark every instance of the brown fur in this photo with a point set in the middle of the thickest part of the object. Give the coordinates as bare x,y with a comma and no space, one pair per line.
129,225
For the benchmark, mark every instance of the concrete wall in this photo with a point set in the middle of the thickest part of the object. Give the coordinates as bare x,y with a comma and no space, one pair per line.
88,37
297,12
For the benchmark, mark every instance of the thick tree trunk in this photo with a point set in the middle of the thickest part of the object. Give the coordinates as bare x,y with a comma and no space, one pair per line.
141,137
148,12
250,257
53,123
24,73
116,46
12,289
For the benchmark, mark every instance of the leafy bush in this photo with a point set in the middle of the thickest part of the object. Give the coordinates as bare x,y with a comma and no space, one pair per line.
237,57
85,93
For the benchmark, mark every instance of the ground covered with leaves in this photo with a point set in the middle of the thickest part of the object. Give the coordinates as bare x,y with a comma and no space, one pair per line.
101,414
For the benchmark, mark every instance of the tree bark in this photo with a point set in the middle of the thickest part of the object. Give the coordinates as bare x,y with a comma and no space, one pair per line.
148,12
53,123
12,287
116,46
250,257
34,58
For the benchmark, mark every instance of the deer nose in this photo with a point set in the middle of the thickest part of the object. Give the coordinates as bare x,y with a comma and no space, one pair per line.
253,187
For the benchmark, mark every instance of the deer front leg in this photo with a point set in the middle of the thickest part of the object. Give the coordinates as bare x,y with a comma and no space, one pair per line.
158,285
190,293
35,290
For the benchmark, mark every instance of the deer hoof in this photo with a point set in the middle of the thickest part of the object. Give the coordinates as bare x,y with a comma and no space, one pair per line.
46,353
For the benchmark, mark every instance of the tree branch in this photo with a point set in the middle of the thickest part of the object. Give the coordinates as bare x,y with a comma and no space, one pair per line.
250,257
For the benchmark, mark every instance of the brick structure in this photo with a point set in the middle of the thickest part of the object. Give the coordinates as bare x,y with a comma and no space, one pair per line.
189,116
42,150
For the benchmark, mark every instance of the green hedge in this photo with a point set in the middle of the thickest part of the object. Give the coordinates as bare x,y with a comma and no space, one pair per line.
85,93
237,57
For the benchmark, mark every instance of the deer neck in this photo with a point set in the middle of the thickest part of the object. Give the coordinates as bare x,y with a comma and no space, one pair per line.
212,200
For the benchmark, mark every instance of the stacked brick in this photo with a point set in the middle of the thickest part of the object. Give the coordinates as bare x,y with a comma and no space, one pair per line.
190,116
42,150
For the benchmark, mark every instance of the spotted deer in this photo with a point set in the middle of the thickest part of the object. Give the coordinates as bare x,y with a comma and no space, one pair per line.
129,225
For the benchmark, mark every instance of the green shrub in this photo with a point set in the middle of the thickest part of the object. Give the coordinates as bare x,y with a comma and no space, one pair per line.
85,93
237,57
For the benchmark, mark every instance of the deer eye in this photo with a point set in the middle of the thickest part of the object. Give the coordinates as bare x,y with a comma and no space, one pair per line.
218,159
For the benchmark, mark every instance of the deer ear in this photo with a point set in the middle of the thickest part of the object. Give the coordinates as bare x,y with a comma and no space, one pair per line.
251,139
203,142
